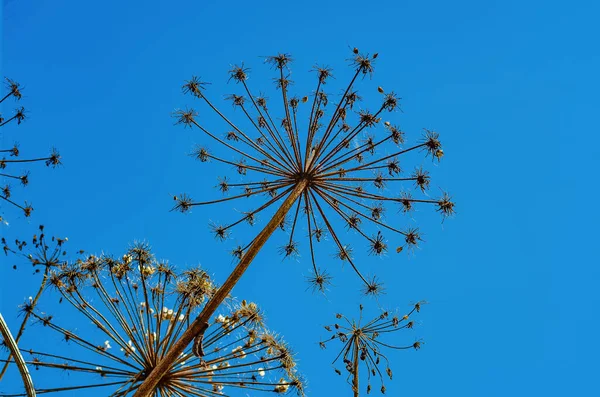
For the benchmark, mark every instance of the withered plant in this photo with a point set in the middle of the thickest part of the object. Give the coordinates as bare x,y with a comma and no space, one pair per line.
43,254
327,170
13,160
139,307
362,345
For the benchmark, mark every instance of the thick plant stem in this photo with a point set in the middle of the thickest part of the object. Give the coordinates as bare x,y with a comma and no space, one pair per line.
147,388
27,315
14,349
355,378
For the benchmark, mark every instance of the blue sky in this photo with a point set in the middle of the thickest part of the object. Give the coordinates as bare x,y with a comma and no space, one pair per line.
511,86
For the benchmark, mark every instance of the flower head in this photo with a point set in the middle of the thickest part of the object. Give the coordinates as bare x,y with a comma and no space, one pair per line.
319,162
7,164
362,344
41,251
141,314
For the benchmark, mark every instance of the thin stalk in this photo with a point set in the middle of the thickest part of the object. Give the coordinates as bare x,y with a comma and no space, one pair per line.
10,176
8,120
12,202
27,315
279,142
288,126
256,147
355,377
333,120
324,172
198,326
12,345
310,121
6,96
27,161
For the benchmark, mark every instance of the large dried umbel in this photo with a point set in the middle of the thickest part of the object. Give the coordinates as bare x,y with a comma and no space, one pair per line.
138,307
325,178
43,253
328,166
10,155
362,345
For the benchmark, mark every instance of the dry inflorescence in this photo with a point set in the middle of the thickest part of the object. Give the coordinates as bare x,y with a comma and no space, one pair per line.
329,166
52,160
327,177
138,307
41,253
362,345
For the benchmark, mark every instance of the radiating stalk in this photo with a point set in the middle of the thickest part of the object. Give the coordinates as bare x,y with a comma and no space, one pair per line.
147,388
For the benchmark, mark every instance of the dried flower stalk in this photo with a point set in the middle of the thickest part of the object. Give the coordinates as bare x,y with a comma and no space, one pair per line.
141,306
361,345
321,177
52,160
45,254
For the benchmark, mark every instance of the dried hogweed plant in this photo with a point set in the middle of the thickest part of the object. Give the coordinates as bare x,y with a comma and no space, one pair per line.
139,307
331,176
13,153
362,345
43,254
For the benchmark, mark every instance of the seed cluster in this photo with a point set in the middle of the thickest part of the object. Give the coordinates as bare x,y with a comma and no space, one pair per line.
139,307
333,155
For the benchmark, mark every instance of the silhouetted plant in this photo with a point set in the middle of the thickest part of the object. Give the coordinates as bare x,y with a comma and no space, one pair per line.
315,170
44,254
326,175
362,345
139,307
13,153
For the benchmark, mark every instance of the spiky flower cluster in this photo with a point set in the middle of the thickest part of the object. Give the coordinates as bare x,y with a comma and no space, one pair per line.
328,166
52,160
139,307
361,345
43,253
40,252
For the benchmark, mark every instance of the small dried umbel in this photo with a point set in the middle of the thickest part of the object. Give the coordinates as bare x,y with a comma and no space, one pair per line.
338,169
10,156
362,345
43,253
136,308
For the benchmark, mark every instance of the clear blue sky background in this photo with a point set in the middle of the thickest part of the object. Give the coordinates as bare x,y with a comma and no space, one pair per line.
512,86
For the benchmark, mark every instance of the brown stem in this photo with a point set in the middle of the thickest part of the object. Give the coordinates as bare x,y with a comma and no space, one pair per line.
8,121
27,315
12,345
355,378
288,126
147,388
12,202
279,142
324,173
6,96
27,161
